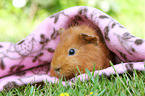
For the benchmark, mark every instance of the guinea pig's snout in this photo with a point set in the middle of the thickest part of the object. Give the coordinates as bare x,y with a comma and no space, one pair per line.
57,70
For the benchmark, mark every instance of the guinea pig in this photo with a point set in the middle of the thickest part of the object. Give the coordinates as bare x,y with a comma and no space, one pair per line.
80,47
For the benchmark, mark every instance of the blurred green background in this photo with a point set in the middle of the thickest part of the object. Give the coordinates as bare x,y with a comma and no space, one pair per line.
18,18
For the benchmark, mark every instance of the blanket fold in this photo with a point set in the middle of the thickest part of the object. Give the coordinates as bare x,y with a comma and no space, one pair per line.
29,59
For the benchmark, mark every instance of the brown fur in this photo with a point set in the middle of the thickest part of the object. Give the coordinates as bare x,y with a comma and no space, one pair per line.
90,51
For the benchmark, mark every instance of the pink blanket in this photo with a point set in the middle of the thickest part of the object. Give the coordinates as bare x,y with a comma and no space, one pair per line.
28,61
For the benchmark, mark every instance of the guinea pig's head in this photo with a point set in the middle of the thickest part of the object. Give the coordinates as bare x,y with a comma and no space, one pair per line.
78,49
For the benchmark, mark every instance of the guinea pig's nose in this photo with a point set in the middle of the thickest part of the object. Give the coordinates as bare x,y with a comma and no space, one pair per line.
57,70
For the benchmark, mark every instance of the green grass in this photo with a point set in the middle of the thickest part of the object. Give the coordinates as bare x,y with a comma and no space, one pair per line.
124,85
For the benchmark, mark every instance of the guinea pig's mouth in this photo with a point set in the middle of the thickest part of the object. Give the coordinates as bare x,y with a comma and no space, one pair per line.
57,71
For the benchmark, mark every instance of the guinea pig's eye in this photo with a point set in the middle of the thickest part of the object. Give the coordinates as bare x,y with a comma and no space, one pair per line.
71,52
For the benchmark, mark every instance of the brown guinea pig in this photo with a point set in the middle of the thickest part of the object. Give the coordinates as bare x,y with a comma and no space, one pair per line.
80,47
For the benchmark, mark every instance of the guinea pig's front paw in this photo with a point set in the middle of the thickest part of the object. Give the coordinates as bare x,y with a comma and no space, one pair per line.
81,77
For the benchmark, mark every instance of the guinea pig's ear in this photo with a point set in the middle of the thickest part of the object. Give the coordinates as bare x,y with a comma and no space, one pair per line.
61,30
88,38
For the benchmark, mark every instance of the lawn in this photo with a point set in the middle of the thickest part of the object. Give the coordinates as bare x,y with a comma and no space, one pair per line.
124,85
16,24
